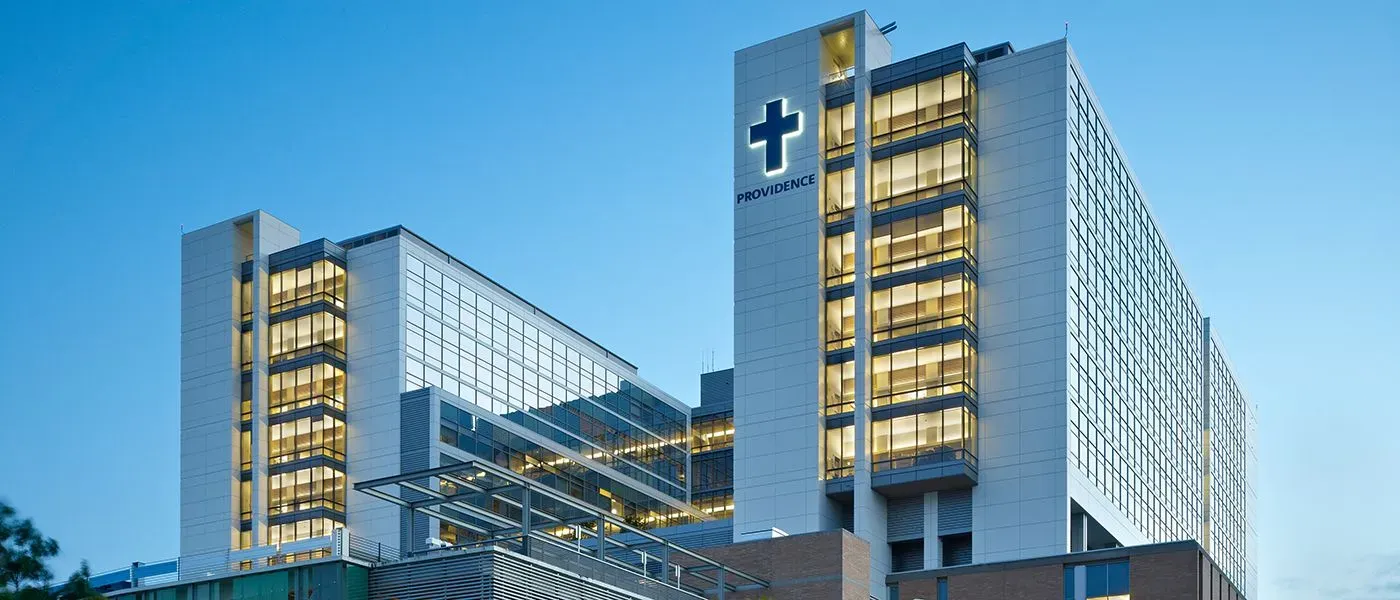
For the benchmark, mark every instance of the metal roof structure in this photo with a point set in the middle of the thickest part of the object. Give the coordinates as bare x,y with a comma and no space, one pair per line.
494,506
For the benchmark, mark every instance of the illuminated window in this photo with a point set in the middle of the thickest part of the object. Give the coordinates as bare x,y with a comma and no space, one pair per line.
840,194
840,387
840,258
919,373
922,240
306,489
455,535
712,433
719,505
923,107
840,130
245,299
245,403
245,350
923,438
301,530
840,323
924,173
322,280
305,438
307,386
840,451
245,500
462,430
306,335
922,306
245,450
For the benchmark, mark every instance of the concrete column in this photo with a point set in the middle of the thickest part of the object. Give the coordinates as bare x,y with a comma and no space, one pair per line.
870,510
933,547
258,446
269,236
525,510
602,550
1078,532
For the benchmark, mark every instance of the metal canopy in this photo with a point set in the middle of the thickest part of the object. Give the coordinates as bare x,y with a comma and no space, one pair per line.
496,506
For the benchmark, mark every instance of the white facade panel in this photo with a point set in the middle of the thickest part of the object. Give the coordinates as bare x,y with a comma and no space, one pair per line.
1020,505
777,241
375,378
210,365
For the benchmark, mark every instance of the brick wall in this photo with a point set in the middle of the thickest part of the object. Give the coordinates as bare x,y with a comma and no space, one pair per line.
831,565
1174,571
1164,575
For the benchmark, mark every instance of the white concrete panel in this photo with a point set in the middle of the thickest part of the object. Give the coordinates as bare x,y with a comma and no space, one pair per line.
777,238
1020,507
375,378
210,316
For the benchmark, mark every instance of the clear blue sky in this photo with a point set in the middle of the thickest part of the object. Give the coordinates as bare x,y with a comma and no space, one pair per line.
581,156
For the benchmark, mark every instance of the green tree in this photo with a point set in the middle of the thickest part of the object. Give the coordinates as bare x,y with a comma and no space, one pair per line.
79,586
24,571
23,555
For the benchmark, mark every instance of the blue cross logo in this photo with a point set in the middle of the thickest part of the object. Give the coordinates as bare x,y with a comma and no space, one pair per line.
773,132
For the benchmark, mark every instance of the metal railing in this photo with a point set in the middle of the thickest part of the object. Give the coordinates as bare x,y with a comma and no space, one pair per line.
212,565
840,75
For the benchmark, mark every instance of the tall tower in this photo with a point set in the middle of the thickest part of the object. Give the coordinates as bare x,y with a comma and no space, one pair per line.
251,325
309,367
855,345
959,332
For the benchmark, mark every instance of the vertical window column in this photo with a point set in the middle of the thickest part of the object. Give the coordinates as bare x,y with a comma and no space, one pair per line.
301,498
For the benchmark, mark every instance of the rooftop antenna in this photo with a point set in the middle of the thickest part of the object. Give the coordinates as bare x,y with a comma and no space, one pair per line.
1066,29
888,28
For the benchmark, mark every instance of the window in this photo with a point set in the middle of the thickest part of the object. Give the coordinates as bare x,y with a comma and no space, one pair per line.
461,429
245,350
920,373
942,588
306,489
719,505
307,386
322,280
245,299
712,472
840,130
840,387
840,258
245,500
840,451
306,335
922,438
840,194
301,530
712,433
923,107
922,240
245,402
840,323
921,306
924,173
245,450
305,438
1101,581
